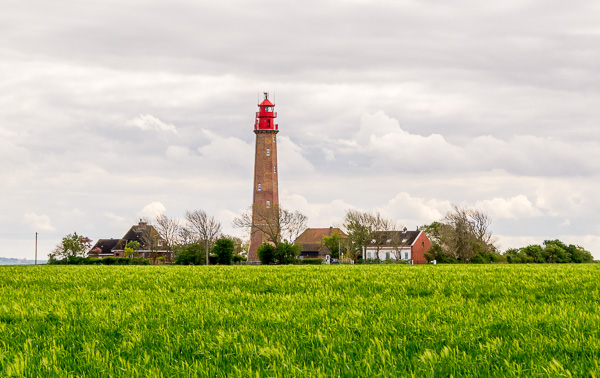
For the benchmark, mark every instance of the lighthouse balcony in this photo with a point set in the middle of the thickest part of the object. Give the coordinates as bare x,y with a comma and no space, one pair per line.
266,114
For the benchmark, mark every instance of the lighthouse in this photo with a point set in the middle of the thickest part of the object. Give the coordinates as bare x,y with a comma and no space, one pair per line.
265,190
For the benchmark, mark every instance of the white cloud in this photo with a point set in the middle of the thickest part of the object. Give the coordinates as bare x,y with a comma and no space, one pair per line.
290,157
415,211
222,153
152,209
38,222
178,153
149,122
509,208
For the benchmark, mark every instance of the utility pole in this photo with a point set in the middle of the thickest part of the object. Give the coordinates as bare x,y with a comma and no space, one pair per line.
36,234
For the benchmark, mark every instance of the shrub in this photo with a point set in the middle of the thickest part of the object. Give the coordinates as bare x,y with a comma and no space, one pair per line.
266,253
109,260
312,261
223,249
191,254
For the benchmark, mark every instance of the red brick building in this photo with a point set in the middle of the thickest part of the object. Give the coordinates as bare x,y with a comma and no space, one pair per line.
311,241
400,245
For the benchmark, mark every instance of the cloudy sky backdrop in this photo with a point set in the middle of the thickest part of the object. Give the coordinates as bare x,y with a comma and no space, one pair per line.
112,110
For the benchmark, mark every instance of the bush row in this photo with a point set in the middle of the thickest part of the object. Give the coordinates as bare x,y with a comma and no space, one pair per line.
77,260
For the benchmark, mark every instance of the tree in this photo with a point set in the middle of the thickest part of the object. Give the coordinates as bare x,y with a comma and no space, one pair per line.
365,228
169,229
72,245
286,252
131,248
266,253
274,222
465,232
223,249
150,239
334,243
190,254
358,225
206,228
462,235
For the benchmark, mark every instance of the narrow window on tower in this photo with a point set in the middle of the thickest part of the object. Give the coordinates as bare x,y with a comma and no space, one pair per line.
275,169
273,139
259,187
268,152
268,204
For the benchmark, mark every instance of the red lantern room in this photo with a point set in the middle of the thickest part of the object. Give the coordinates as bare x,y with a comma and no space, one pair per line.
265,117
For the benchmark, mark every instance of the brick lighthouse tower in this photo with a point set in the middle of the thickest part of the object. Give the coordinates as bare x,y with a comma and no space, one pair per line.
266,194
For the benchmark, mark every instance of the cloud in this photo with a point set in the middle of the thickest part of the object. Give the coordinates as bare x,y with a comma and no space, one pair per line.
509,208
38,222
414,211
151,210
290,157
148,122
380,144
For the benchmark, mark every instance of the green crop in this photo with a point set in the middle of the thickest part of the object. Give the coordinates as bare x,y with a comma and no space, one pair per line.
281,321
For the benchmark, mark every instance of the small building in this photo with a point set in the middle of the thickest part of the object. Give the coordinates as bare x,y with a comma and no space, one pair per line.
311,242
103,248
152,245
399,245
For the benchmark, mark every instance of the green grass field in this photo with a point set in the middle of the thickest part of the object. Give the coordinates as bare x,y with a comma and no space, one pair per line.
351,321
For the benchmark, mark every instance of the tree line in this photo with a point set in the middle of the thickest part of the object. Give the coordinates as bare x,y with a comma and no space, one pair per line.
463,235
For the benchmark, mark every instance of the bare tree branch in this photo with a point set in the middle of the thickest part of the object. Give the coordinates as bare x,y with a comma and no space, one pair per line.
274,222
204,227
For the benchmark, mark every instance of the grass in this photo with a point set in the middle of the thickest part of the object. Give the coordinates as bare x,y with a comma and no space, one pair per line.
376,320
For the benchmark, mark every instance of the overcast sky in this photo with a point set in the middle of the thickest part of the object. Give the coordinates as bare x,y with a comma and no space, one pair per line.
112,110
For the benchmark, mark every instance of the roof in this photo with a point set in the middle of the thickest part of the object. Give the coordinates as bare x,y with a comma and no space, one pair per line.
105,245
315,235
397,238
315,248
266,102
136,233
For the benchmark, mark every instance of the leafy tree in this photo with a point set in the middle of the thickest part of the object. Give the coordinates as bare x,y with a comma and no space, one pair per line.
286,252
190,254
72,245
534,253
366,229
223,249
554,251
334,243
132,248
266,253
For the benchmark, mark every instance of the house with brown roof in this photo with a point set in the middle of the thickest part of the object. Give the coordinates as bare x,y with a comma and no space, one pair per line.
152,245
409,246
311,241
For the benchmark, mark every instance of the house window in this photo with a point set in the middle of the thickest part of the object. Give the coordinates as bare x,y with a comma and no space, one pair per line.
259,187
405,255
268,204
423,244
387,255
160,243
268,152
